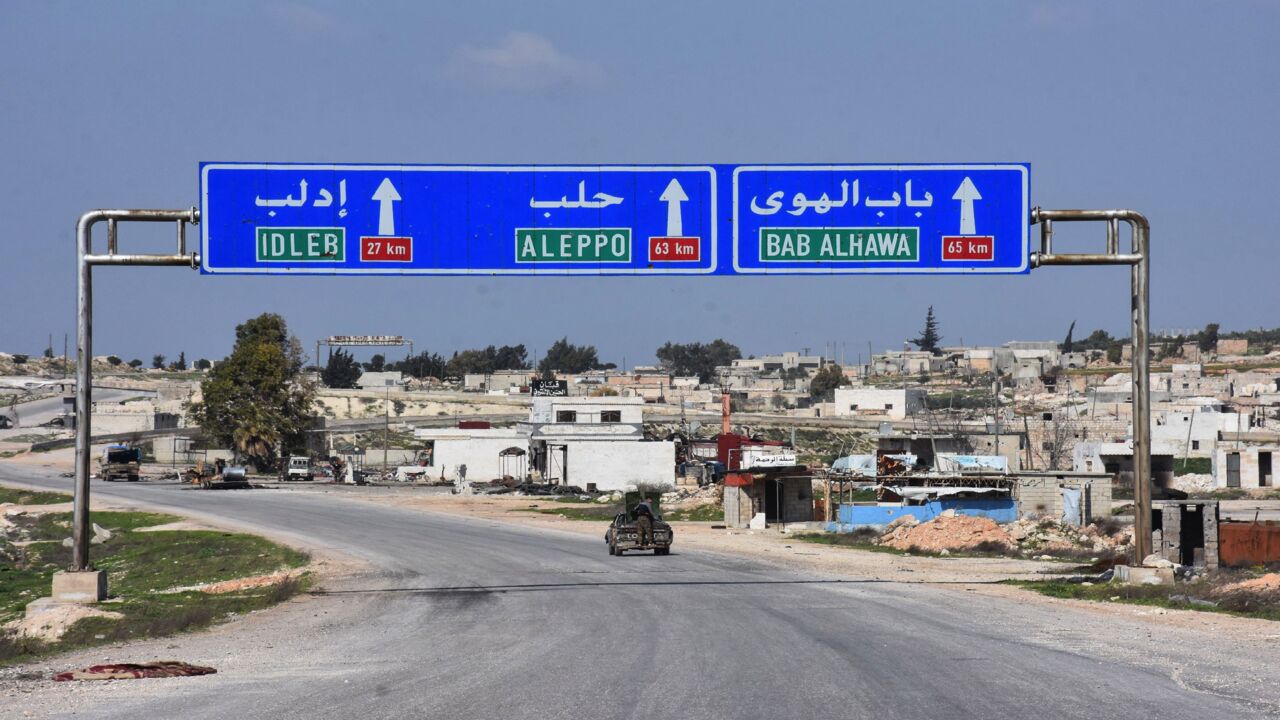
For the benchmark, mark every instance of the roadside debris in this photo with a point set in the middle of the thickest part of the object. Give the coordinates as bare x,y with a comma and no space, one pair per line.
948,533
133,671
1042,538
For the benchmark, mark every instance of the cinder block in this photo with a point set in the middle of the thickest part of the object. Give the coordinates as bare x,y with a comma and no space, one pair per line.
89,586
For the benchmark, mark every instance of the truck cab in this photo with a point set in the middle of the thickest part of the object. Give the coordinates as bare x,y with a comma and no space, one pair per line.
298,468
120,461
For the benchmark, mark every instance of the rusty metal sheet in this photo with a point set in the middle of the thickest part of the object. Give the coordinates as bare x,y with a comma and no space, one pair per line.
1243,544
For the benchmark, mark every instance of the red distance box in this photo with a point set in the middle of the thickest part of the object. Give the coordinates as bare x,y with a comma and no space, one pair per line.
968,247
386,249
675,249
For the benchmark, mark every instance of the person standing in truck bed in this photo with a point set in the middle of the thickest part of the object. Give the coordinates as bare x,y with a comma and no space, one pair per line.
644,523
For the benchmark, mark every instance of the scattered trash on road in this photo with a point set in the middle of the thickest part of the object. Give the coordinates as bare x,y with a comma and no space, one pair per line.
133,671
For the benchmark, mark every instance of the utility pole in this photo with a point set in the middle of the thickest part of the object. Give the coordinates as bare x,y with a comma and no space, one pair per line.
996,394
386,427
905,346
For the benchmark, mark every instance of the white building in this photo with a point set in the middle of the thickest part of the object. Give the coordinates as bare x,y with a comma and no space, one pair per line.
774,363
1246,459
889,403
380,380
481,450
501,381
596,441
1195,432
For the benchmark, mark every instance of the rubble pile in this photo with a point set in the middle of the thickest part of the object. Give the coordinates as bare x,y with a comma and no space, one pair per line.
1194,483
693,495
1050,537
953,532
949,532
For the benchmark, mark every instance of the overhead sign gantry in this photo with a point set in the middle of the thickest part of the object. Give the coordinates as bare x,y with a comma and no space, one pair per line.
326,219
614,219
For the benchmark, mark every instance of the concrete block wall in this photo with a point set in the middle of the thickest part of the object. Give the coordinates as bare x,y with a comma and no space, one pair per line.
1043,495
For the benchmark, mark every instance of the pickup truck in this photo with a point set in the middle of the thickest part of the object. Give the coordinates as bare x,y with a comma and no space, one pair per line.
622,536
120,461
298,468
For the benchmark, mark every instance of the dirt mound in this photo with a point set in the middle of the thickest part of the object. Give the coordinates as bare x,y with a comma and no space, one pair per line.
950,532
245,583
50,620
1269,583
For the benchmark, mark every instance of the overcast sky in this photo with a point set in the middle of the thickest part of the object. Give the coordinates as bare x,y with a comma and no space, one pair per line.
1169,108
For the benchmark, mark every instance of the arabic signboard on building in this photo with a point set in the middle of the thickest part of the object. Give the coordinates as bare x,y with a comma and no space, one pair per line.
378,340
549,388
613,219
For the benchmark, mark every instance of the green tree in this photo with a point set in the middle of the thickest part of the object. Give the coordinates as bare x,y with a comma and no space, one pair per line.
509,357
566,357
135,363
256,400
376,363
20,359
825,382
486,360
157,362
48,352
342,371
1097,340
180,363
697,358
1208,338
1115,351
929,337
424,364
1067,344
203,364
113,361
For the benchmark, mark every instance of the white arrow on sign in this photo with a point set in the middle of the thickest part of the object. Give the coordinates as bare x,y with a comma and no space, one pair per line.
673,196
966,194
385,195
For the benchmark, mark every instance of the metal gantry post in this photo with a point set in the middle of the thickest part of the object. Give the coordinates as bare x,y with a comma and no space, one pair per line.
1138,260
85,262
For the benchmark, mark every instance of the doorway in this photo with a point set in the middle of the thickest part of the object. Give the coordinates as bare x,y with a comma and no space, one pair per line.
1233,470
1264,469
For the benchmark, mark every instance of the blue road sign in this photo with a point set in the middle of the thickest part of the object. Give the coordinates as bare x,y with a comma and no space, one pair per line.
613,219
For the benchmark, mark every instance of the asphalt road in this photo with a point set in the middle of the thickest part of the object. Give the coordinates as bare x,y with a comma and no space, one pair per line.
464,618
38,412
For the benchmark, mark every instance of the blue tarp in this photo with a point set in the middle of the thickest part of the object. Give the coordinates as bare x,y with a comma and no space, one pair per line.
878,515
949,462
865,465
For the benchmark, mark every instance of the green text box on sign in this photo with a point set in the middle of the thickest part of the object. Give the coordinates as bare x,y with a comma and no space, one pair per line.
301,244
864,244
587,245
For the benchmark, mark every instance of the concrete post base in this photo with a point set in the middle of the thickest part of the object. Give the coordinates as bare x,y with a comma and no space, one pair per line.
1143,575
89,586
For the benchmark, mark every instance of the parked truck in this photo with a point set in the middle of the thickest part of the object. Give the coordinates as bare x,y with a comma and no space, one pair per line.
120,462
298,468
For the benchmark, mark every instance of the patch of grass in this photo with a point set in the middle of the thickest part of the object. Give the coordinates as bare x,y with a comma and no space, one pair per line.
1180,596
859,539
707,512
595,512
1192,466
31,497
141,567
